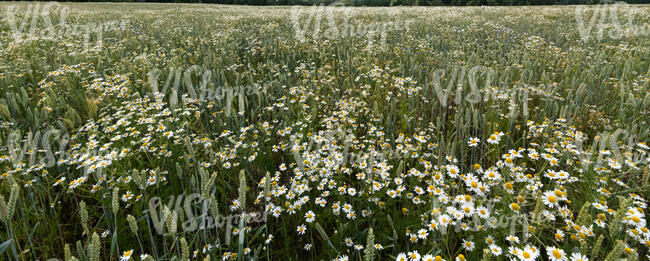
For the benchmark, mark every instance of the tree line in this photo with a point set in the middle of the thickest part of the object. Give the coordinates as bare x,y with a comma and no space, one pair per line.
391,2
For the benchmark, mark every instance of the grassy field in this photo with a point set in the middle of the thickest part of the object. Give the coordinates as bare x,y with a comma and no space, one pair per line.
175,132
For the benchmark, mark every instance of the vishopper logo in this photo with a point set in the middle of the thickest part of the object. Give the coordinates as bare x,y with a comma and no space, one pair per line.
37,148
36,151
463,85
307,22
613,21
514,223
49,22
301,151
193,213
474,85
196,84
606,147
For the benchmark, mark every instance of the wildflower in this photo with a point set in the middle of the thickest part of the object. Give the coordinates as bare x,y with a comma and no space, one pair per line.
151,180
514,207
473,142
495,138
341,258
126,255
513,239
529,253
468,245
495,250
578,257
635,218
556,254
301,229
127,196
422,234
414,256
59,181
310,216
235,205
550,199
489,240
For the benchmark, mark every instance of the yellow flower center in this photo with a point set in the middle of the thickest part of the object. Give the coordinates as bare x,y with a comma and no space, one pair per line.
514,206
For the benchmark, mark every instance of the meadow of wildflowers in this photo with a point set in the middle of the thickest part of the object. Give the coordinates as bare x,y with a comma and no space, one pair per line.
207,132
